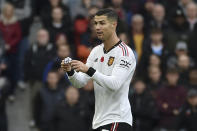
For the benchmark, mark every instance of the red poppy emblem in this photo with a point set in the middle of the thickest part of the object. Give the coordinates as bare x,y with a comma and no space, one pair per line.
102,59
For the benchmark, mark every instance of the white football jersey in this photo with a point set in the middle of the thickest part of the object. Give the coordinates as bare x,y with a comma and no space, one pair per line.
114,71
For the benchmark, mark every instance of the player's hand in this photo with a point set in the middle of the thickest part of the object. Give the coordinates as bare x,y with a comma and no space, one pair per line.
65,66
79,66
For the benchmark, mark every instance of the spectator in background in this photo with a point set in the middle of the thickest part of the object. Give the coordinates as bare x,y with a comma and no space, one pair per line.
137,35
62,52
11,32
183,64
61,39
69,115
178,31
169,5
80,31
100,3
36,59
46,100
143,107
191,14
89,38
181,49
146,10
158,18
153,60
186,120
192,78
57,24
117,5
92,10
135,6
154,46
23,8
38,56
80,7
154,81
124,37
182,4
47,11
123,19
169,99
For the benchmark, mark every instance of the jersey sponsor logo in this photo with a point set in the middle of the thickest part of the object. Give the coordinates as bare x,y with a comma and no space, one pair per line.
125,64
110,61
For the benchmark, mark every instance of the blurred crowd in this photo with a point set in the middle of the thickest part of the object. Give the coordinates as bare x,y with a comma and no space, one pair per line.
162,34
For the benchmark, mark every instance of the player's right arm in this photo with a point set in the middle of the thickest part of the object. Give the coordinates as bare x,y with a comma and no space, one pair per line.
78,79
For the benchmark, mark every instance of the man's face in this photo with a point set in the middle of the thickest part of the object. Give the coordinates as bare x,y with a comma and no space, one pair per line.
42,37
63,51
158,13
191,11
156,38
103,26
72,95
57,14
52,79
155,74
154,60
138,24
139,87
193,101
183,62
172,78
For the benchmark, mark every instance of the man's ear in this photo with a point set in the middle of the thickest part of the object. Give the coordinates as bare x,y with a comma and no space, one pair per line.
114,24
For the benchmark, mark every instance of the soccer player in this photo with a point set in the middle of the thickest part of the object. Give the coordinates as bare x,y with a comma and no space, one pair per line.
111,66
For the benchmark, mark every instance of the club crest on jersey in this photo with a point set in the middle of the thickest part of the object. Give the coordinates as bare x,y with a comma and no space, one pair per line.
110,61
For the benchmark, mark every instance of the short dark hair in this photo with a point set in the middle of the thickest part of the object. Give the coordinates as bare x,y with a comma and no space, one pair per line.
110,13
53,71
172,71
156,31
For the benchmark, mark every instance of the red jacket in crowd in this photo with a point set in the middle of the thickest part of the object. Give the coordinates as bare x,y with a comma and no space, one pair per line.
11,35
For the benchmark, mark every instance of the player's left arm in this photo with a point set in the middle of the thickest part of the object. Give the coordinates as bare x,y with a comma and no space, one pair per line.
121,72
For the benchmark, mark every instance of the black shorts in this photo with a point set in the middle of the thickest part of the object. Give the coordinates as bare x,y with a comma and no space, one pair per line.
117,126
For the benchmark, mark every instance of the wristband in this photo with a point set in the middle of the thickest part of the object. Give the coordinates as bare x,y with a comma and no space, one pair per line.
91,71
70,73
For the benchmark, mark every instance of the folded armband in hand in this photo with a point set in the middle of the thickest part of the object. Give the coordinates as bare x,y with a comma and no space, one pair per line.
67,60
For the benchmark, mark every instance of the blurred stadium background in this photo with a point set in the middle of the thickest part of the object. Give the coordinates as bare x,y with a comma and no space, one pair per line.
35,35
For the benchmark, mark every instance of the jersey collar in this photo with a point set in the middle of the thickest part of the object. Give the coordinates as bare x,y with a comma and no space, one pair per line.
105,52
